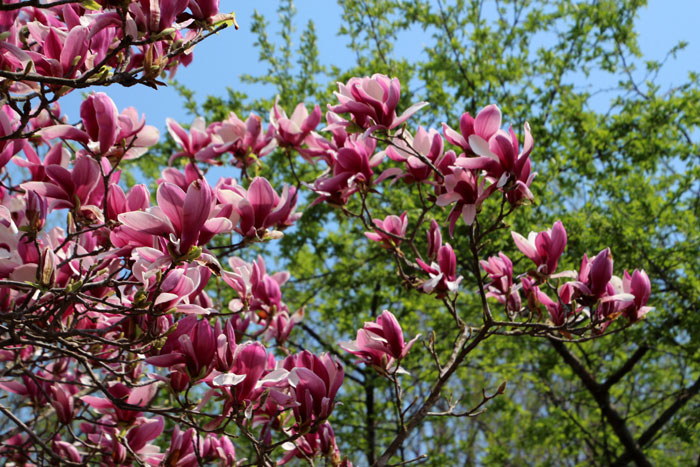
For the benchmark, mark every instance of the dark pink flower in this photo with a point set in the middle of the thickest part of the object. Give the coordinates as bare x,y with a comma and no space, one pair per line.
139,396
486,124
544,248
260,208
428,144
314,383
99,115
195,346
463,187
639,285
434,240
183,218
248,142
381,343
372,102
352,171
293,131
443,274
394,225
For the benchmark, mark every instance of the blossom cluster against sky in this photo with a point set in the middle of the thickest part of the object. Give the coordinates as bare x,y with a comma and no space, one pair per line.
220,60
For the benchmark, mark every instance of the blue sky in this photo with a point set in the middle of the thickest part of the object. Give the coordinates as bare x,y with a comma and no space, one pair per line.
220,60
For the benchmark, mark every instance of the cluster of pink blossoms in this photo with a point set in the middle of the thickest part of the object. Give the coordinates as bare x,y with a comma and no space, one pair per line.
593,293
138,39
123,298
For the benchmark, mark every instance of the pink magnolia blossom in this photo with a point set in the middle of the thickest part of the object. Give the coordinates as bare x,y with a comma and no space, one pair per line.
183,218
135,137
138,199
544,248
80,187
372,102
381,343
62,54
176,177
556,309
105,131
204,9
352,171
195,347
282,324
9,123
427,144
99,115
181,452
56,155
137,397
313,444
292,131
247,379
638,285
504,163
464,188
35,211
500,271
443,275
138,438
596,274
63,402
247,138
485,125
260,208
394,225
201,143
160,14
434,240
66,450
314,384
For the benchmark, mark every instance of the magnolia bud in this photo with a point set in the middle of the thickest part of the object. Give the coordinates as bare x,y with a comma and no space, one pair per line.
46,272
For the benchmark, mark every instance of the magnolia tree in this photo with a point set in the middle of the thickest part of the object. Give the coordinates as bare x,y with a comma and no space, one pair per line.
114,343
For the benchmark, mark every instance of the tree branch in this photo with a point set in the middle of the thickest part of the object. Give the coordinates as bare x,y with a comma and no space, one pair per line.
602,397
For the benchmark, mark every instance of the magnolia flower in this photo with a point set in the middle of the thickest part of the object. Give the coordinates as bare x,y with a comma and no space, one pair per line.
372,102
314,383
443,275
426,143
260,207
201,143
82,186
321,442
352,171
381,343
183,218
500,271
139,397
639,286
544,248
99,115
486,124
394,225
434,240
246,138
293,130
195,346
464,188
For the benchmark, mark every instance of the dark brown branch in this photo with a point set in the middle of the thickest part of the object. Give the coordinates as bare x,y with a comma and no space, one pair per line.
602,397
435,393
649,434
35,4
627,367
